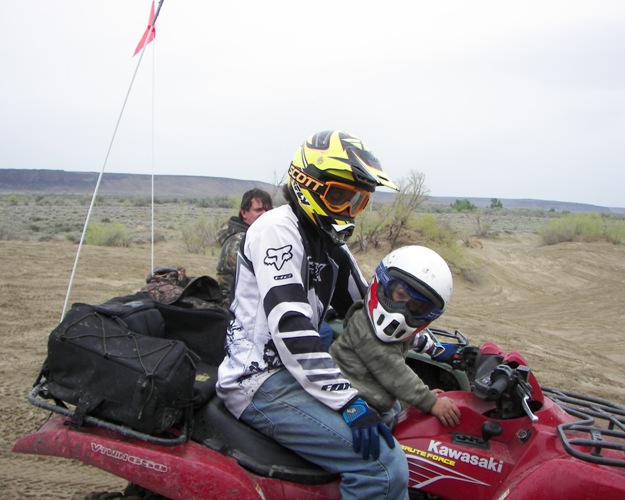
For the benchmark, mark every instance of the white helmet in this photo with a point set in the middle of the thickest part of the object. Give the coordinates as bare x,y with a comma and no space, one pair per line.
410,289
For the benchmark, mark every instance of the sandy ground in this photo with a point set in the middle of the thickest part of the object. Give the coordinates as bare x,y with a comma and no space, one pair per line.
560,305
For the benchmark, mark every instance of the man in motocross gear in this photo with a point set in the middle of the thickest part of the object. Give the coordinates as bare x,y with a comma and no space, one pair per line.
254,203
411,288
293,265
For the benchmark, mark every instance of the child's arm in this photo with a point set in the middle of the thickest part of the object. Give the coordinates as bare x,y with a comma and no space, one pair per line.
389,368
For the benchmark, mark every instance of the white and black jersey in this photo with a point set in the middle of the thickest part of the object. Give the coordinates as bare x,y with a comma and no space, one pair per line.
287,276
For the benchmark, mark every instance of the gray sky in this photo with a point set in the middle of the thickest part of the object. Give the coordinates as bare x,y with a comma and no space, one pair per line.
486,98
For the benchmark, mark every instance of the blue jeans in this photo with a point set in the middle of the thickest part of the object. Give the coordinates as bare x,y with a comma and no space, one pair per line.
284,411
326,334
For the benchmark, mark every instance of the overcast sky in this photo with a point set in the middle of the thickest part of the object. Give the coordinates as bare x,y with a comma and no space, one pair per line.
487,98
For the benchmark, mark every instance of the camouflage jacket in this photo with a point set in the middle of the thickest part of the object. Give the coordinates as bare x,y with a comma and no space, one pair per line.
377,369
229,236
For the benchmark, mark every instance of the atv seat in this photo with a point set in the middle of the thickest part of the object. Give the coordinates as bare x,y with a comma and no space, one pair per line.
216,428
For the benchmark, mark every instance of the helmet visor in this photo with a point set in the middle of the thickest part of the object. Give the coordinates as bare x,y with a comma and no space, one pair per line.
339,197
401,297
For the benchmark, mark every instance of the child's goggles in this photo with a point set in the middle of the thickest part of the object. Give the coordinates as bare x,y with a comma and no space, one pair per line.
417,309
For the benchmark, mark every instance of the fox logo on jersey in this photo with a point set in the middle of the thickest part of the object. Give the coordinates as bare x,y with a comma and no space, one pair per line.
278,256
315,269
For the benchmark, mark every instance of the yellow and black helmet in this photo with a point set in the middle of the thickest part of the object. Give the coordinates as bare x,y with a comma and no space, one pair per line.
331,178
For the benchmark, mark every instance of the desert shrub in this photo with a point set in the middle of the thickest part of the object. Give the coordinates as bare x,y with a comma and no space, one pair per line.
146,237
142,201
368,228
483,228
615,231
62,227
435,230
558,230
495,203
159,236
441,237
218,202
200,235
438,209
463,205
583,227
73,237
115,235
426,229
393,218
6,234
412,194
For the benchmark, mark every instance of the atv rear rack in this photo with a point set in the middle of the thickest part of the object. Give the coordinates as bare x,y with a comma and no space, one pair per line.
39,392
609,437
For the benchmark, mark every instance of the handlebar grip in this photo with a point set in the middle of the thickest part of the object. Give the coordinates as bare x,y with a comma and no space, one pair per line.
497,388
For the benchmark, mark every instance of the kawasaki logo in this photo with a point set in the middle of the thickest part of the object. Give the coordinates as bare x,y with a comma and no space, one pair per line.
469,458
142,462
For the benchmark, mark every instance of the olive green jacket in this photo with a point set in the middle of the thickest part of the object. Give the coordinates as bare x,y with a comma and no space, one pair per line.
229,236
377,369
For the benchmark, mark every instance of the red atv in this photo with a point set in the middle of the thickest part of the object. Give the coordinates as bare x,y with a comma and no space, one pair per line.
515,440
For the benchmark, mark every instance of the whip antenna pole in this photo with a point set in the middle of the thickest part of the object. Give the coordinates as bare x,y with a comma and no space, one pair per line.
148,36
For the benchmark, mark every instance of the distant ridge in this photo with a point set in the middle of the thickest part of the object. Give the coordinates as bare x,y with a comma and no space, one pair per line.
168,186
62,182
559,206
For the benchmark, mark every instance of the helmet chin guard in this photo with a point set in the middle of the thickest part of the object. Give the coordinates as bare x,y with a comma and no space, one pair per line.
338,233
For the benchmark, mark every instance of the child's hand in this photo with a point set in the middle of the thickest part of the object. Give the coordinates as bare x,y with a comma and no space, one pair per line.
446,411
438,391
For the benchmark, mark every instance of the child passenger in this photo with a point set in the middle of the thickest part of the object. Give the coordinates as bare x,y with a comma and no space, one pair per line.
410,289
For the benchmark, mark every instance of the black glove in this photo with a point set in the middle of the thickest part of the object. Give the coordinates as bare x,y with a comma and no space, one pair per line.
366,428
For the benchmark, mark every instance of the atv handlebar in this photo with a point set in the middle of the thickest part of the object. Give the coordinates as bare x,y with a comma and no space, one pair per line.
509,388
498,385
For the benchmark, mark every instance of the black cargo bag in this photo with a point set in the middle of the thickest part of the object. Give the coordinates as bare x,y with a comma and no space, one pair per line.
204,332
99,362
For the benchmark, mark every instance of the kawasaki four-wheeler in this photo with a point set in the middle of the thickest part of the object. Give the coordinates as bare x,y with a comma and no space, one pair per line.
516,440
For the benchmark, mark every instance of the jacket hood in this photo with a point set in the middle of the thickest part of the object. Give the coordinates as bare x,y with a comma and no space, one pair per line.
233,226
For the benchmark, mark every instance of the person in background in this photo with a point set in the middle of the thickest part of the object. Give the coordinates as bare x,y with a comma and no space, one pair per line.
411,288
294,264
254,203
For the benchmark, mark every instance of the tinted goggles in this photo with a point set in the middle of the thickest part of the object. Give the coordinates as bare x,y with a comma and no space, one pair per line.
416,308
339,197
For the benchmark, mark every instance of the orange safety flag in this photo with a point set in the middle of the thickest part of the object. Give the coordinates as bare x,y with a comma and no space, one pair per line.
149,33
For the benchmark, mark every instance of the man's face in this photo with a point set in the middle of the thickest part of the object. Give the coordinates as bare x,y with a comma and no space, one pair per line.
255,211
